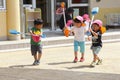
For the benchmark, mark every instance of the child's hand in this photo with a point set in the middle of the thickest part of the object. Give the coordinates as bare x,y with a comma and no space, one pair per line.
89,39
90,30
65,27
30,32
73,33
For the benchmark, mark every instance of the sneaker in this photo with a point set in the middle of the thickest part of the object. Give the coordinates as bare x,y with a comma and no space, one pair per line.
99,62
82,59
75,60
38,62
93,64
35,63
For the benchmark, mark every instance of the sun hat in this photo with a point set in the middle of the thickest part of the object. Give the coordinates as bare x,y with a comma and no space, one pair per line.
86,17
78,19
99,22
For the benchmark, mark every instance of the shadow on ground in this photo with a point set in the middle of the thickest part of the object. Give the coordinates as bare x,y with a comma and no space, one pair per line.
77,67
58,63
80,67
20,66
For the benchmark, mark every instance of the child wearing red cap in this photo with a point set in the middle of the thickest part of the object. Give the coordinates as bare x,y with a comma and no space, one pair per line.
96,42
79,38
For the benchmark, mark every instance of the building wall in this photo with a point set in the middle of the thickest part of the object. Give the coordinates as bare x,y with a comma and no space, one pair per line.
106,7
10,19
3,27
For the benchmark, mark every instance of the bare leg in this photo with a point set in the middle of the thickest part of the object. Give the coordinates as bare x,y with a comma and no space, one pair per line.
82,55
75,54
35,57
39,56
95,58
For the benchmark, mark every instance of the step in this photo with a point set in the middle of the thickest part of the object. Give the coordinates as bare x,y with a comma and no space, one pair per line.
53,42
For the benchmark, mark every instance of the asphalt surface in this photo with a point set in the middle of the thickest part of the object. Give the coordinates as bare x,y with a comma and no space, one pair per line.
40,74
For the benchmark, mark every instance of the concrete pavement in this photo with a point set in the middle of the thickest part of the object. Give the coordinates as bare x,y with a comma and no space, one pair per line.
41,74
57,62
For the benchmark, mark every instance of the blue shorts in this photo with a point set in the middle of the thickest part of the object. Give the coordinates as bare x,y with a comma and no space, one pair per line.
96,49
79,44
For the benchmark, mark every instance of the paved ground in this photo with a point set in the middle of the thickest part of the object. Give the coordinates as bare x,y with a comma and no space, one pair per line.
40,74
56,64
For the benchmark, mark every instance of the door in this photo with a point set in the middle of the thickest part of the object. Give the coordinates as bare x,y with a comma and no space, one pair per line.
42,5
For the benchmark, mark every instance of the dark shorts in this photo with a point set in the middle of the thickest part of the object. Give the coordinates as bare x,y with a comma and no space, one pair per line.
35,49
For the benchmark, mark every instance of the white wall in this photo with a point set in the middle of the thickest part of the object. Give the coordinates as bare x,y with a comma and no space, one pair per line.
105,3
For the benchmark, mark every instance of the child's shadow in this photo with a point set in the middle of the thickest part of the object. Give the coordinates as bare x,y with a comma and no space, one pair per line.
59,63
21,66
80,67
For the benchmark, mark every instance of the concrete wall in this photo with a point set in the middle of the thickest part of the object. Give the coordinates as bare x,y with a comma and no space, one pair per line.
106,7
3,28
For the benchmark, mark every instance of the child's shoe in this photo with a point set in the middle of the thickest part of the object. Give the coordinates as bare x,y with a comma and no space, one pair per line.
35,63
38,62
75,60
82,59
93,64
99,62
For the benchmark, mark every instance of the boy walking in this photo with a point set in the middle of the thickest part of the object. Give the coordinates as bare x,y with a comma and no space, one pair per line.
36,44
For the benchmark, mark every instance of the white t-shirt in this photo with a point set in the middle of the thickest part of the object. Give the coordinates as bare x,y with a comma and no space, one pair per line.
79,33
87,25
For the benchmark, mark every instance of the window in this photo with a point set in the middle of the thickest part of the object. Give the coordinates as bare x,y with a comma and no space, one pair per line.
27,1
80,11
79,1
2,4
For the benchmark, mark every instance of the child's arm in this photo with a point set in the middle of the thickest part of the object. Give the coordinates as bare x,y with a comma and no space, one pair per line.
89,34
30,32
85,30
72,31
94,33
41,32
89,39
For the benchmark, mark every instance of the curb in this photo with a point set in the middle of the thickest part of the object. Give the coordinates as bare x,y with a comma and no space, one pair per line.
60,45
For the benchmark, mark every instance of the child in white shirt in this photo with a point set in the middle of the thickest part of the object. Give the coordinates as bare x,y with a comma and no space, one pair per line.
79,38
